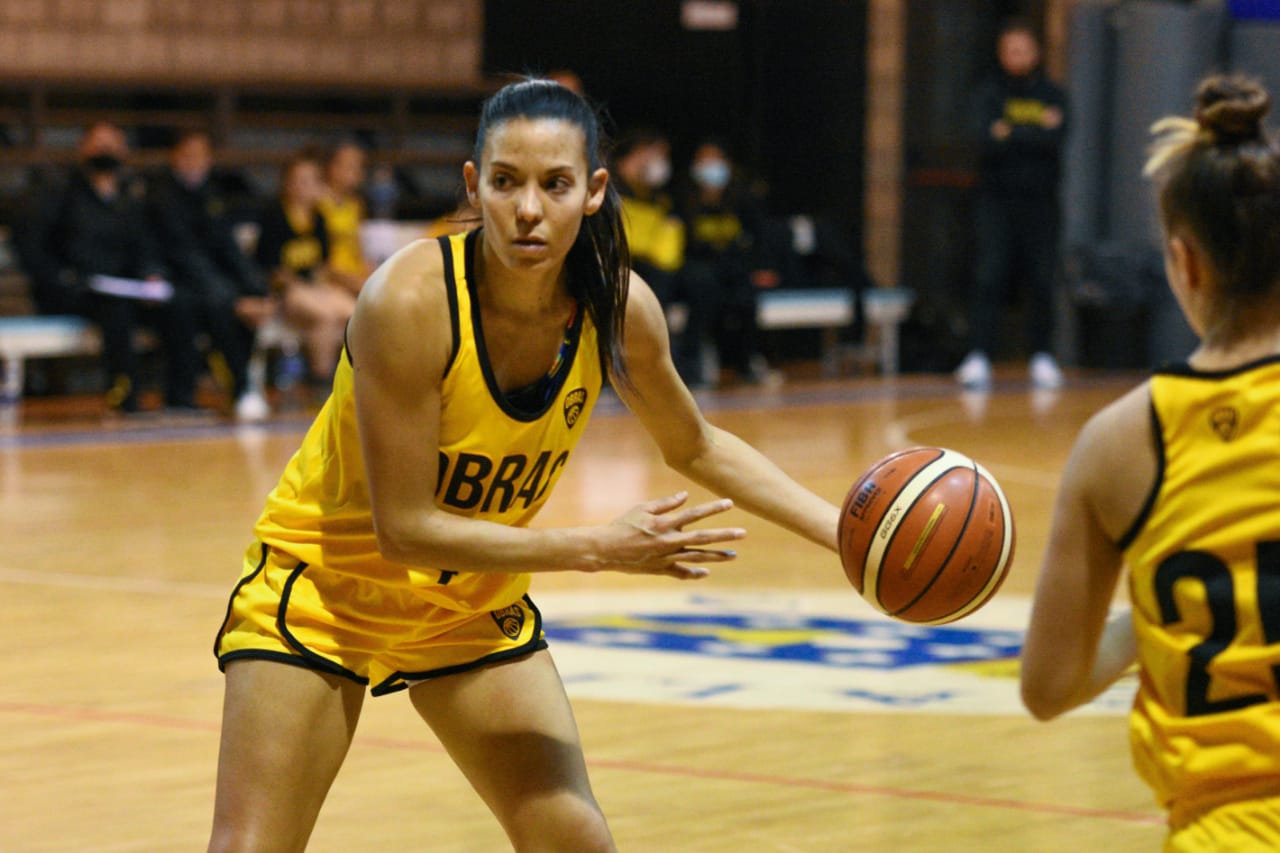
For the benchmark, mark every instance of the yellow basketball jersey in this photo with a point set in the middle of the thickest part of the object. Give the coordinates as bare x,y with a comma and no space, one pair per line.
342,220
1204,576
497,462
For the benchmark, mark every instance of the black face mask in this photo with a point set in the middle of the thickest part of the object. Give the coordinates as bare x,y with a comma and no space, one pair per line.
104,163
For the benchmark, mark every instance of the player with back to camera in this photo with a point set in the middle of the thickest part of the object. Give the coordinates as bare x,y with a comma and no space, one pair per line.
394,552
1180,481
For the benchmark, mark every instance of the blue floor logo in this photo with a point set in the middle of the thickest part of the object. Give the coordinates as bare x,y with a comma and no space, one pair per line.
788,650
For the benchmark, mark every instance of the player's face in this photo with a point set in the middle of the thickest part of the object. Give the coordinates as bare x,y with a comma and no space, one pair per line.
533,188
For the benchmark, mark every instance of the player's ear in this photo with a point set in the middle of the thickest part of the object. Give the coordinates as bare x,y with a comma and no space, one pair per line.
471,176
1190,260
597,184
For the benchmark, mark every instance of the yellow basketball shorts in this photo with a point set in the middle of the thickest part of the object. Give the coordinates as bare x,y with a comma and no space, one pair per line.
1246,826
288,611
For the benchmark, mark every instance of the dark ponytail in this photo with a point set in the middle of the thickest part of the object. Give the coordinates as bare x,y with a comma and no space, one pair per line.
599,263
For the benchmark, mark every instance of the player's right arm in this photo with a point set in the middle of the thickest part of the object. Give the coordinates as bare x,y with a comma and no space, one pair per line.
400,342
1075,647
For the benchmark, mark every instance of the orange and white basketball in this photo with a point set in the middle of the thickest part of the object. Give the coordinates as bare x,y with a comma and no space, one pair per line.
926,535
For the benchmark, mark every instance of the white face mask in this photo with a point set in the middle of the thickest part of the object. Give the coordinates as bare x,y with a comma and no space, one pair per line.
712,174
657,172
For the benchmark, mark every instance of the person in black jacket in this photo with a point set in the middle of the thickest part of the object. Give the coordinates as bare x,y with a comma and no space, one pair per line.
94,226
726,262
1021,119
190,218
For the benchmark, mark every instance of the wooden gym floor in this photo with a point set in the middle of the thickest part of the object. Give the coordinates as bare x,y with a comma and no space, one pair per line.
119,543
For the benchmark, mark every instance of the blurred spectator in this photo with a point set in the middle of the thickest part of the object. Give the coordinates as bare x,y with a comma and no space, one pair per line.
568,78
190,218
343,210
1021,123
293,249
95,226
726,260
642,169
383,192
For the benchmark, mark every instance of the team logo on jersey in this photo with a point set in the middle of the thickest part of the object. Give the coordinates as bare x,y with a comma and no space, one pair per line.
573,403
1224,422
510,620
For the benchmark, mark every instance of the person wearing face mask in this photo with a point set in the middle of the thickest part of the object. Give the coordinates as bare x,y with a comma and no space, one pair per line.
642,169
189,216
726,261
96,225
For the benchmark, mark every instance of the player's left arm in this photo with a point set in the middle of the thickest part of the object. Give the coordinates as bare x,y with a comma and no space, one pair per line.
1075,646
704,453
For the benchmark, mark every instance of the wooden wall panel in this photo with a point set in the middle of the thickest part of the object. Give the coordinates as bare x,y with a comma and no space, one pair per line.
414,44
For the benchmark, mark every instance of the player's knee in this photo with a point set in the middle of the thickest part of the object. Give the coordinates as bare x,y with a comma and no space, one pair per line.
577,825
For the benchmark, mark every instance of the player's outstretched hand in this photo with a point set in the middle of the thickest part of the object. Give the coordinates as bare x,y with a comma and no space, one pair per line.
651,539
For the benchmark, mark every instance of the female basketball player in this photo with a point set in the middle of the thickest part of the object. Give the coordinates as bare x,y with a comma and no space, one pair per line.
394,553
1180,480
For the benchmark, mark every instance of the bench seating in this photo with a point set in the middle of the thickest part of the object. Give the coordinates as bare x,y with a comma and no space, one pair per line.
830,309
51,336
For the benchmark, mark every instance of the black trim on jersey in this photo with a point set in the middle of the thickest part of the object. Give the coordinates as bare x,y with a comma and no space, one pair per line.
537,642
346,343
217,641
451,290
316,661
1185,369
1134,529
557,382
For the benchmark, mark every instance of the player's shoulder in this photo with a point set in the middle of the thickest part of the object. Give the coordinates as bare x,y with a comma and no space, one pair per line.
640,296
1112,439
411,280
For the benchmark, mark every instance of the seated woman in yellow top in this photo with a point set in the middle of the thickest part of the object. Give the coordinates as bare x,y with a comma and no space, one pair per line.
293,249
343,211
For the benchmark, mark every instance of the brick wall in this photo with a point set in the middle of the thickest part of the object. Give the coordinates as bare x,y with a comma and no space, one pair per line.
409,43
882,203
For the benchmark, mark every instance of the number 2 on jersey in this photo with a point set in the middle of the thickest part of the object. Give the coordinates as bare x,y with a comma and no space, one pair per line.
1219,587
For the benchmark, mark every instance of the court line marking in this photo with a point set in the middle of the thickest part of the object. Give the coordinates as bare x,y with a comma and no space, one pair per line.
116,583
642,767
155,586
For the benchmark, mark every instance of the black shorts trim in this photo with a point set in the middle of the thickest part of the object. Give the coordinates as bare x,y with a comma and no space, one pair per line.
317,661
397,681
291,660
217,640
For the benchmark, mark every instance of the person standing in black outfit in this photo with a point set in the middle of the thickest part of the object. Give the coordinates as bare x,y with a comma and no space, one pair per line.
96,225
1021,119
190,218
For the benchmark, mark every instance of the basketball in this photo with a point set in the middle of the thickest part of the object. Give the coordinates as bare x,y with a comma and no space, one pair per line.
926,535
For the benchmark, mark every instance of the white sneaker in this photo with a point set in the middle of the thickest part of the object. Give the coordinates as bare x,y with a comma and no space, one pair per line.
1045,373
975,371
252,407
